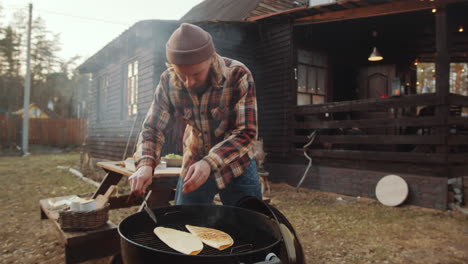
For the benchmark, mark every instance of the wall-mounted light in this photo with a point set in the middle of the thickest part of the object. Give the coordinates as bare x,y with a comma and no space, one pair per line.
461,28
416,62
434,10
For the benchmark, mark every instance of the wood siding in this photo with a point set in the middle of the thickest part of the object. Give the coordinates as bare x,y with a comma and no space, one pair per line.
274,94
144,42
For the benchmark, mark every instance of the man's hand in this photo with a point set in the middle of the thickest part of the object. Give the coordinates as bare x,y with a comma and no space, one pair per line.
141,179
196,176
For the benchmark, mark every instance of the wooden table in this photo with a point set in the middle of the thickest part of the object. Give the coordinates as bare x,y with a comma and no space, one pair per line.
105,241
164,183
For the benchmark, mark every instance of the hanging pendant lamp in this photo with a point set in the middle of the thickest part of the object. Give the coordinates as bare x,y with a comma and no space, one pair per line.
375,55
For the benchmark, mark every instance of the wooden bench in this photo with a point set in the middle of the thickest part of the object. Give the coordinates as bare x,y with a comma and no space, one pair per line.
85,245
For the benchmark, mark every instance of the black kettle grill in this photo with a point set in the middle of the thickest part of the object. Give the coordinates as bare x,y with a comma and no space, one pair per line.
261,234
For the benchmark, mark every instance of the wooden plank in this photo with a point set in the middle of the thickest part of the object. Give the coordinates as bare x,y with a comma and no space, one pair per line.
425,169
380,139
394,167
461,158
374,104
432,158
124,201
442,69
346,4
158,173
457,140
374,123
462,121
113,166
279,5
396,7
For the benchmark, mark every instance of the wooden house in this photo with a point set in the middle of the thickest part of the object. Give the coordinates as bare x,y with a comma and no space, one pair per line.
312,72
37,111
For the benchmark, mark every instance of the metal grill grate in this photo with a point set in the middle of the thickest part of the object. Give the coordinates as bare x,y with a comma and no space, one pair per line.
149,239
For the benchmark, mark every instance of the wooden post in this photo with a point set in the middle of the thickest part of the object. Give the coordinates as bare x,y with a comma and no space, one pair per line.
442,77
27,90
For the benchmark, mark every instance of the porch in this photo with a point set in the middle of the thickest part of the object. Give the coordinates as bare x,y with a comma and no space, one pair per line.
405,114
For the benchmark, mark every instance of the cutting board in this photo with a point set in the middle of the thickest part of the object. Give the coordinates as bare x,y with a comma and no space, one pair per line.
391,190
101,200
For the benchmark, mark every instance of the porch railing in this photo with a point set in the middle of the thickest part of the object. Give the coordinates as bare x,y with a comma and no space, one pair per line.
387,131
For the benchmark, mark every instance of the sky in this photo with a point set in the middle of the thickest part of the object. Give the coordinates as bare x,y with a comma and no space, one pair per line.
86,26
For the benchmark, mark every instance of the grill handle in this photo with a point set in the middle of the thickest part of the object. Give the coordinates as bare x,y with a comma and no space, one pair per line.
270,259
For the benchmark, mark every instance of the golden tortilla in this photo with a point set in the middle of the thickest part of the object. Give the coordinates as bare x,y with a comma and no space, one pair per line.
212,237
180,241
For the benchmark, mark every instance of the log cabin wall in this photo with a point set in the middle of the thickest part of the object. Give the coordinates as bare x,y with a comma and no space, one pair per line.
110,126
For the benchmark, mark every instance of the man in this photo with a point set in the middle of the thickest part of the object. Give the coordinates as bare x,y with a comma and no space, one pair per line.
216,98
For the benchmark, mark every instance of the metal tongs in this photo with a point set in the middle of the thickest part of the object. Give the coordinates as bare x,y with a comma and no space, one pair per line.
148,210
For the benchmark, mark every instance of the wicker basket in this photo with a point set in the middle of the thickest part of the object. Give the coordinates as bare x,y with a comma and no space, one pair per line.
80,221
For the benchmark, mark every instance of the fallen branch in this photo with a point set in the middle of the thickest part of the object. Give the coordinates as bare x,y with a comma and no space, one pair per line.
80,175
458,208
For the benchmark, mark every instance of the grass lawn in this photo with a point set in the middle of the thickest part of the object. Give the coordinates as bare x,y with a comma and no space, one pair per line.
331,230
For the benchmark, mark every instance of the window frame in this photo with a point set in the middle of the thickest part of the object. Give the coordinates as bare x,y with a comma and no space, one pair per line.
311,90
131,88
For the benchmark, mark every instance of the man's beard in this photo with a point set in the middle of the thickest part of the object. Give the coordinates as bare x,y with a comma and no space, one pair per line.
199,88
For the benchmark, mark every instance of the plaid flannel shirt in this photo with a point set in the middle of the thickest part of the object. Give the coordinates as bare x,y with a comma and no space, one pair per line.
221,123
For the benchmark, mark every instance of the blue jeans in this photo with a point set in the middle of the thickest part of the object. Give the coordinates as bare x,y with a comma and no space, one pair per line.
246,184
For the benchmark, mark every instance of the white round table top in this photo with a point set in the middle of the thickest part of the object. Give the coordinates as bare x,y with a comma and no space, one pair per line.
391,190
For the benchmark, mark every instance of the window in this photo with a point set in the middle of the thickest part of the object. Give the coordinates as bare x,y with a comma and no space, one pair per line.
311,77
426,80
132,88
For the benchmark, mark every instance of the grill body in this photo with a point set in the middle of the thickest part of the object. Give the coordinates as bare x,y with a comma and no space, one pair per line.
255,235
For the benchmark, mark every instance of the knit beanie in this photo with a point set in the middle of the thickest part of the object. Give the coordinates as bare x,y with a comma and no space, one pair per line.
189,44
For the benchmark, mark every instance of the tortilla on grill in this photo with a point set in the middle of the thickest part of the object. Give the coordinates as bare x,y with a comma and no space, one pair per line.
212,237
180,241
